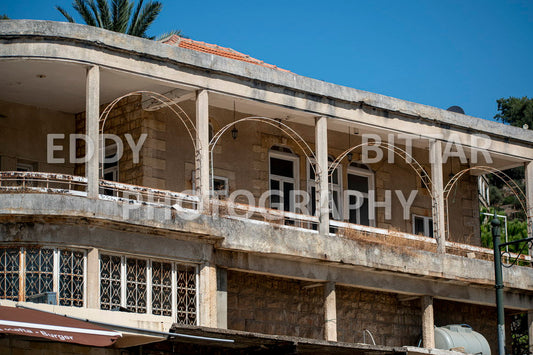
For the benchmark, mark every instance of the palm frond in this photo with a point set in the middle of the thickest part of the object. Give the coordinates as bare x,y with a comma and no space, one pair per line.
65,14
118,15
96,13
121,10
81,7
149,13
167,35
105,14
134,24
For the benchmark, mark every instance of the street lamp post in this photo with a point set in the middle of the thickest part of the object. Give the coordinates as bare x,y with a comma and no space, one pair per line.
499,284
499,279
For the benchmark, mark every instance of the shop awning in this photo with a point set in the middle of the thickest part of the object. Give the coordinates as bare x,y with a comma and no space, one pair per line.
33,323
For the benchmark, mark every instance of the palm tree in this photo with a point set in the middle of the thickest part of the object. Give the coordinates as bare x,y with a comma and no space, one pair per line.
117,15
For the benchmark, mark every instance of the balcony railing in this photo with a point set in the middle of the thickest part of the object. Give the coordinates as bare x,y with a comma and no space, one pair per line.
111,190
24,181
37,182
18,181
287,219
396,238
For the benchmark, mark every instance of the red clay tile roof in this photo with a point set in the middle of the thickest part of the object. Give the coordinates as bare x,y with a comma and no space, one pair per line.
188,43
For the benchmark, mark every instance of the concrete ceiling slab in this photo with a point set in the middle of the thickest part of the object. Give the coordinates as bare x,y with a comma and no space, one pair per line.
61,85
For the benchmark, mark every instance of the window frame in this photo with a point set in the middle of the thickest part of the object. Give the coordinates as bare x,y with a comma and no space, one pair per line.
214,193
25,167
149,285
368,173
56,272
111,150
223,192
295,160
428,221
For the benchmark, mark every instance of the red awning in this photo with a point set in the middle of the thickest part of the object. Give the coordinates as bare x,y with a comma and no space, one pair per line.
32,323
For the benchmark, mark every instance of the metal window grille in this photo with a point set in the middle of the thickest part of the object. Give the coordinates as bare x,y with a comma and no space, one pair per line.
136,284
110,276
186,294
71,273
161,288
9,274
39,271
149,286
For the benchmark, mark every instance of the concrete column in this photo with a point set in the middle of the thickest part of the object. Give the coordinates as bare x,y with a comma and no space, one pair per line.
93,279
208,295
222,298
330,312
439,222
529,198
92,117
322,188
202,148
428,323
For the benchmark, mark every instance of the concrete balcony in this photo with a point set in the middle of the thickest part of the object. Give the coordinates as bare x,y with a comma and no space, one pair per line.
355,254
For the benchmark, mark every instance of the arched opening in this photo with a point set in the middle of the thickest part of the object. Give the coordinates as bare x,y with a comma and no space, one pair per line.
361,178
156,138
508,181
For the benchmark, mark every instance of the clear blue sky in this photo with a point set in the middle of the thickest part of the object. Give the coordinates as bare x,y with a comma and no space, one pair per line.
440,53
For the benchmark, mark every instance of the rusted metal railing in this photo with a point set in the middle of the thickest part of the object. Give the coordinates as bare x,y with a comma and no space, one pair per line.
111,190
396,238
28,181
39,182
280,218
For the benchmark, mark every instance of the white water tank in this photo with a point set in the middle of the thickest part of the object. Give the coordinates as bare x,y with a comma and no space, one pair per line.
461,336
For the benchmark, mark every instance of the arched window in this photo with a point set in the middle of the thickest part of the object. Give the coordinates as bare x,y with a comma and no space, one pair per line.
283,177
360,179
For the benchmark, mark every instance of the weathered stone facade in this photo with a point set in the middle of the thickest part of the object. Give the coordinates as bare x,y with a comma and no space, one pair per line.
167,162
127,116
272,305
224,270
391,321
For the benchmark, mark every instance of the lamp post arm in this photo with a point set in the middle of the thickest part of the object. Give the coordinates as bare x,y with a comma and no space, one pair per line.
517,242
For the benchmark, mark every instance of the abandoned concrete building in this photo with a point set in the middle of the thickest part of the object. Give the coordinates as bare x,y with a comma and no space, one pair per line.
178,234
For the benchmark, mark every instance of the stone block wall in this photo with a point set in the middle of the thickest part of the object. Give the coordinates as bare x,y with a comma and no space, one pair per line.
391,321
167,162
127,116
273,305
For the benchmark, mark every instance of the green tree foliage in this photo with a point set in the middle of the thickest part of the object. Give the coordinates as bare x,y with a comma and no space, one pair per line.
519,333
4,17
496,196
516,174
515,111
117,15
516,229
